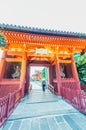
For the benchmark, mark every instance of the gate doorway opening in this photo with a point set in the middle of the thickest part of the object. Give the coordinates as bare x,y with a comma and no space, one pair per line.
37,75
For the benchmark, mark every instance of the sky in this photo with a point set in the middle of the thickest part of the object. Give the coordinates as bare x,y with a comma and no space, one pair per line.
63,15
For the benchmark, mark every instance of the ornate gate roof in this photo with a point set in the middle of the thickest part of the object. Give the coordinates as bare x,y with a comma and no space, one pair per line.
41,31
20,38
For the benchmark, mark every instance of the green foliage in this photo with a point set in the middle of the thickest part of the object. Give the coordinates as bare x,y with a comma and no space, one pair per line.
2,41
76,56
44,73
81,67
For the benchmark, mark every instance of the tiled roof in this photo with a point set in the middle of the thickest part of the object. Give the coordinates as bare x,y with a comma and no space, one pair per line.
41,31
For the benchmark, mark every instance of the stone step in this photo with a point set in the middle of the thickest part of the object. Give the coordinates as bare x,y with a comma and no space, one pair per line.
61,122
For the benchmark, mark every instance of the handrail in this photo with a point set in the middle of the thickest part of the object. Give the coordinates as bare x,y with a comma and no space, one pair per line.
3,106
77,98
7,105
51,88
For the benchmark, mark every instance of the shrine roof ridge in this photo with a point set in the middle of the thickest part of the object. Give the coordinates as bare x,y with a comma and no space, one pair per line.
18,28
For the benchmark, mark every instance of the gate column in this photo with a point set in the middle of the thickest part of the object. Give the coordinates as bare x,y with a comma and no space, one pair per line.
58,75
23,74
50,74
2,64
27,78
75,74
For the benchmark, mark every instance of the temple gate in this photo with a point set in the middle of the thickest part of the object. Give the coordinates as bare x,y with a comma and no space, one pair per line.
26,47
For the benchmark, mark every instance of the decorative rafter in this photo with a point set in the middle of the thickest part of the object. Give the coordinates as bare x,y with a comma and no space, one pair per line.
38,39
28,42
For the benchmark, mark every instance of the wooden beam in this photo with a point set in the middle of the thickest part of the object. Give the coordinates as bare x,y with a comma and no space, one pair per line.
13,59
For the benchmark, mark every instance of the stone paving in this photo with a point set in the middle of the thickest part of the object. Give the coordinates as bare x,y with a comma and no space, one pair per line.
44,111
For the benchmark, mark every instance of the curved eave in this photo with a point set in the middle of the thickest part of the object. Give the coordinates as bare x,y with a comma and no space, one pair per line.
41,31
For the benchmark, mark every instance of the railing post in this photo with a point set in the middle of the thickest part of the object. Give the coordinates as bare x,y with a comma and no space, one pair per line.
8,104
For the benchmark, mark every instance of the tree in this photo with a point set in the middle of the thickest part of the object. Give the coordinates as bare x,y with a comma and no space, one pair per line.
81,67
44,73
2,41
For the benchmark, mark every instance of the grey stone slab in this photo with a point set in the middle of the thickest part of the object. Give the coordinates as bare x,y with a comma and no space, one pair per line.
44,124
71,122
59,119
52,123
25,124
7,126
16,125
35,124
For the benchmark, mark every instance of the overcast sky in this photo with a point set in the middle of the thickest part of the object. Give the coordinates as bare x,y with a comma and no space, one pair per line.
66,15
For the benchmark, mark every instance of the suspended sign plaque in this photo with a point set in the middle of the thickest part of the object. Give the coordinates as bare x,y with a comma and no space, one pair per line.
41,51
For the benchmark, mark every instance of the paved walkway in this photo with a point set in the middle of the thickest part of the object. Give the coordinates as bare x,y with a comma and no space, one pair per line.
45,111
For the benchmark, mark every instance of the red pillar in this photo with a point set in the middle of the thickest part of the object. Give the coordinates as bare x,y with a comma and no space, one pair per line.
75,74
23,74
50,74
58,75
27,78
2,64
